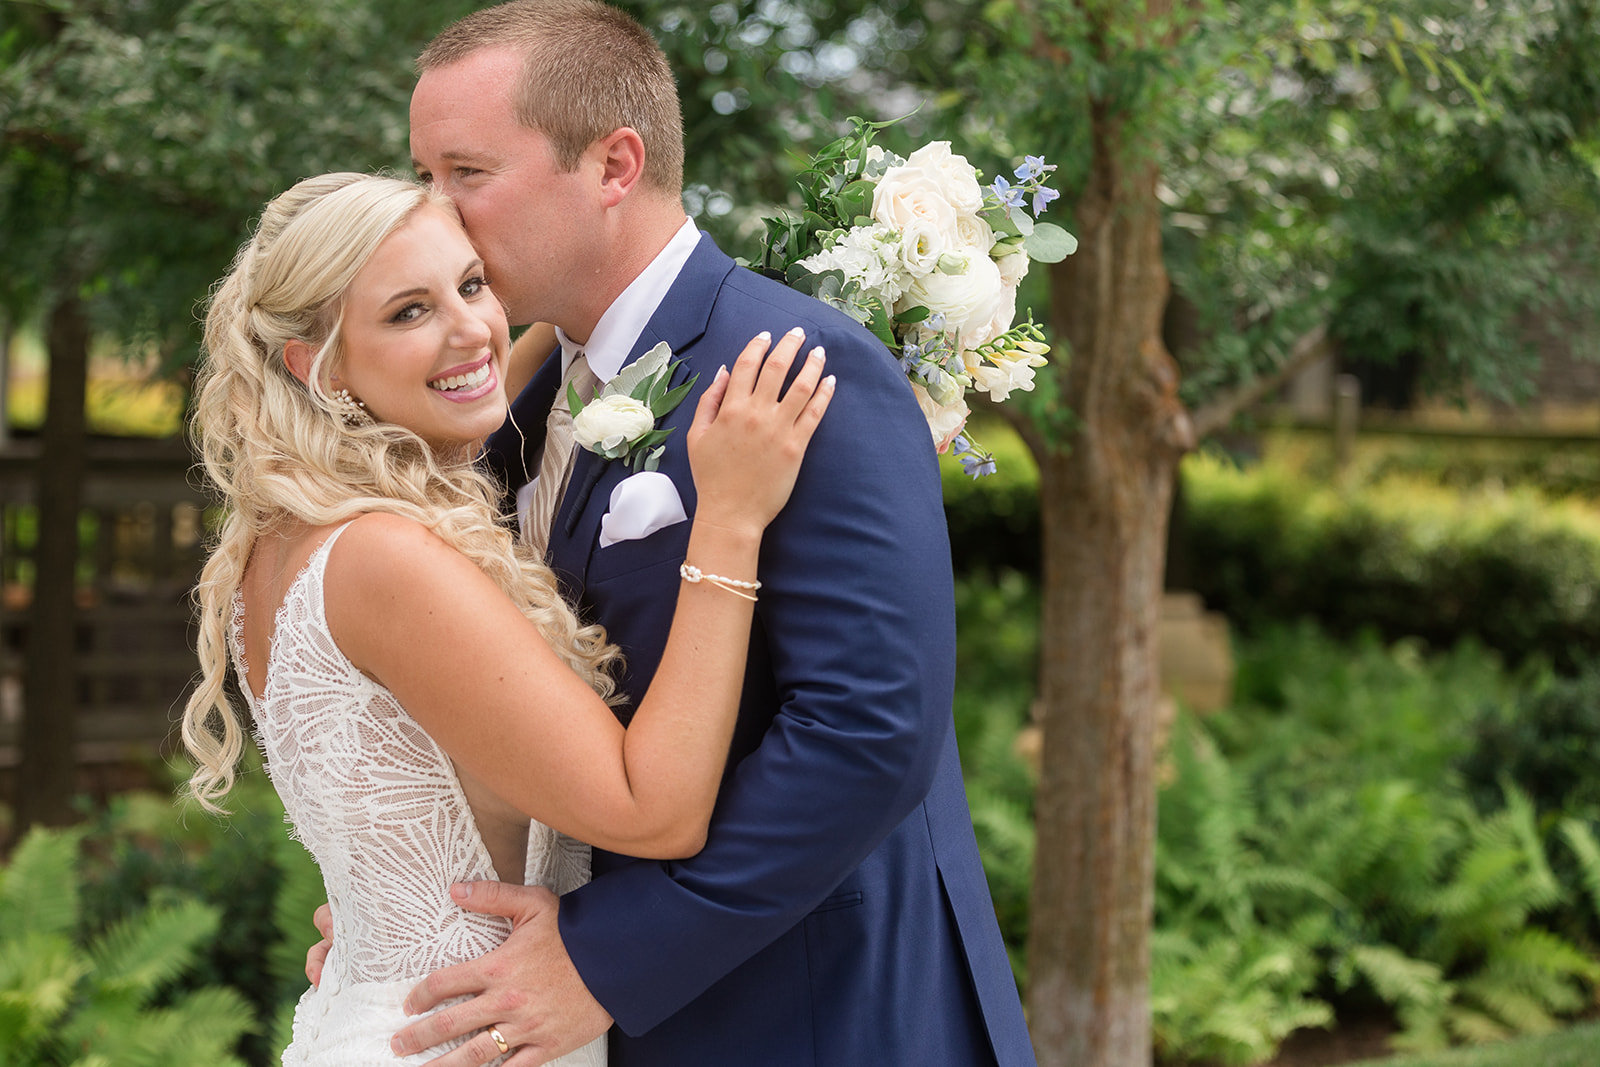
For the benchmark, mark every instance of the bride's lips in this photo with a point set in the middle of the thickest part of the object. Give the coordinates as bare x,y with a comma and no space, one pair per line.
484,366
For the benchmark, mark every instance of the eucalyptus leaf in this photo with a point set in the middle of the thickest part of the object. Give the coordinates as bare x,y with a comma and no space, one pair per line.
1049,243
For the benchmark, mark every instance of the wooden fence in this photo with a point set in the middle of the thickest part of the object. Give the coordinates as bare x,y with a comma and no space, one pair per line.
141,547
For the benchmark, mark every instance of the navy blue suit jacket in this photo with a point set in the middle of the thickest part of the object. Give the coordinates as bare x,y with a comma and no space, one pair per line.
838,914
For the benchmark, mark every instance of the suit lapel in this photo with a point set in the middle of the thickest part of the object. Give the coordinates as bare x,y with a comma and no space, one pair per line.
680,321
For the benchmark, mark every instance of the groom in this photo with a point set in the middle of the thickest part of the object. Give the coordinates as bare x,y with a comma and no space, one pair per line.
838,914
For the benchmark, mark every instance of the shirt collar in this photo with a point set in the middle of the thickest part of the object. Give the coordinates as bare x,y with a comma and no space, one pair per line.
622,323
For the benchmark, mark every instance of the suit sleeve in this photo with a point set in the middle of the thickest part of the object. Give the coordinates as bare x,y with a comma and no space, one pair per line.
857,612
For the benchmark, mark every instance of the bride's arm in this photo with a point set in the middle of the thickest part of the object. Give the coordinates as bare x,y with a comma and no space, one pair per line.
423,620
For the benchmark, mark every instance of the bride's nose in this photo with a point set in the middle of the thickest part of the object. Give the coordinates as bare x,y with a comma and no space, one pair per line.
470,331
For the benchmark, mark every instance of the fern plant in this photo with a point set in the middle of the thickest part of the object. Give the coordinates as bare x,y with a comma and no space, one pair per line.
109,1002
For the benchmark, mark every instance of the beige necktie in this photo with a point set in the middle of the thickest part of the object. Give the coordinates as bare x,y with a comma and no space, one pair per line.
555,465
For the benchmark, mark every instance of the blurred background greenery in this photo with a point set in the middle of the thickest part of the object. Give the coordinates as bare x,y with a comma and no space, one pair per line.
1381,838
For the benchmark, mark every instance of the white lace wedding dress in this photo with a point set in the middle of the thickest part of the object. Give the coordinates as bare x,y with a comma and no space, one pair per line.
379,806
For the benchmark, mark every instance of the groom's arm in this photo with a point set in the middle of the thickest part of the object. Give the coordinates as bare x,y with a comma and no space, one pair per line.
857,609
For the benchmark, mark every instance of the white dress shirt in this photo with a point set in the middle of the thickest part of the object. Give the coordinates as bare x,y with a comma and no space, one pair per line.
620,325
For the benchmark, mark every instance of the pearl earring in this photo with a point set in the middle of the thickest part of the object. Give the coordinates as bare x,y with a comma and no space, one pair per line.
352,411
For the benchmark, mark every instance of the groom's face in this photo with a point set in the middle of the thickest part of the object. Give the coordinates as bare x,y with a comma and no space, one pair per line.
533,223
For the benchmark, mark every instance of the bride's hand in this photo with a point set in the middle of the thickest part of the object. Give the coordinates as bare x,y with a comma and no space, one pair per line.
747,442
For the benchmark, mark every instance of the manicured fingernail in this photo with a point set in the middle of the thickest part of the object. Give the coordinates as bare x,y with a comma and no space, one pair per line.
461,892
829,381
818,353
798,331
722,372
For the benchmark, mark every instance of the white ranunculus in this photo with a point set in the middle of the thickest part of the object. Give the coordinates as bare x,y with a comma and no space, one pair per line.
957,177
612,422
1005,312
944,420
1013,267
969,301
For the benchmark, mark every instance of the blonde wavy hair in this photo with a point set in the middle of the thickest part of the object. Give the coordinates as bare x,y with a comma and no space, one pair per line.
276,449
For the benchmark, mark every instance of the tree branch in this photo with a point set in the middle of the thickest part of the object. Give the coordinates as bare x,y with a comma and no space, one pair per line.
1310,347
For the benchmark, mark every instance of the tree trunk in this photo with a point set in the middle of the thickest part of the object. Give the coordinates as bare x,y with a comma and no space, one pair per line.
47,777
1104,499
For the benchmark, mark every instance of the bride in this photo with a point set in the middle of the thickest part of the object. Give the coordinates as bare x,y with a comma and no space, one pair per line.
417,684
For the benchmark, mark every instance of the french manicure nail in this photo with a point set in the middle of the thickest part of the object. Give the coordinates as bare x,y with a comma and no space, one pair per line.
722,372
764,336
798,331
829,381
817,353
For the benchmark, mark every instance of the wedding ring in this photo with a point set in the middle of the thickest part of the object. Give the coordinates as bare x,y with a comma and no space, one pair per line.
499,1041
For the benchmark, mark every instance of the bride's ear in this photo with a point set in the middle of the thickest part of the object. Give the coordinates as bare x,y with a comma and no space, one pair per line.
297,356
621,155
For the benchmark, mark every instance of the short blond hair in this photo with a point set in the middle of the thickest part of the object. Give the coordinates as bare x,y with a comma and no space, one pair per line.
588,69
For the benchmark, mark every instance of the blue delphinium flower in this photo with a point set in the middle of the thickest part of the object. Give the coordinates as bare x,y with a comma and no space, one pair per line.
1042,197
1032,167
1005,192
975,464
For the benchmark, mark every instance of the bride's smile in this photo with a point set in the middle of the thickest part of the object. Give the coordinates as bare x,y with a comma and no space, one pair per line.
425,339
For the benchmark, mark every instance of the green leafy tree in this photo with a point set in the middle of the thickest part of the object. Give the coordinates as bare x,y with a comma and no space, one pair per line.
136,142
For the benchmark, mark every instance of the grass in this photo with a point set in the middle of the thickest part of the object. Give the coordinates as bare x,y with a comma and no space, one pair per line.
1578,1046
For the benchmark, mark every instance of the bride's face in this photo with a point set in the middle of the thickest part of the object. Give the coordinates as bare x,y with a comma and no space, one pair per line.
425,341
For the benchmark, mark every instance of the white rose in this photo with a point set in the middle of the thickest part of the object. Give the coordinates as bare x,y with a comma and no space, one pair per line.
944,420
974,233
957,178
1013,268
969,301
611,422
921,245
908,194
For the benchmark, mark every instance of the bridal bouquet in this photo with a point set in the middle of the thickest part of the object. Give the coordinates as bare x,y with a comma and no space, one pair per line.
928,258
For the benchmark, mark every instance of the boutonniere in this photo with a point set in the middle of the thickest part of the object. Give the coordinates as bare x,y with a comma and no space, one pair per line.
620,423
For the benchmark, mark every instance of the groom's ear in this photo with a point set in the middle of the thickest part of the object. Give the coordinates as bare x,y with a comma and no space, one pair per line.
621,154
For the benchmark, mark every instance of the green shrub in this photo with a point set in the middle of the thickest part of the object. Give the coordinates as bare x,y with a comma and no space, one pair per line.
147,849
1514,571
112,998
1547,744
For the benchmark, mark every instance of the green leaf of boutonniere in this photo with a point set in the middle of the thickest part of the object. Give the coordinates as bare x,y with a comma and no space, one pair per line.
617,423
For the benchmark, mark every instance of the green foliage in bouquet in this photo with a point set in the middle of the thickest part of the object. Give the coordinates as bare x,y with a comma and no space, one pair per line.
111,999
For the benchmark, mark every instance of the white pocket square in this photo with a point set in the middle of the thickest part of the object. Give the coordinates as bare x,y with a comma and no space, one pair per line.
641,504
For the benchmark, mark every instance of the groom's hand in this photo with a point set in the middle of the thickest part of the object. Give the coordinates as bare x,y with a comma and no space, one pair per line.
317,954
527,989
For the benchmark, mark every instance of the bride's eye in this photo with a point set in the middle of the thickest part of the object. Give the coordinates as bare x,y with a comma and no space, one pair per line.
474,285
410,313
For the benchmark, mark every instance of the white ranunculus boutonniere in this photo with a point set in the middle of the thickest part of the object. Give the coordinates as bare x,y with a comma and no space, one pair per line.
620,423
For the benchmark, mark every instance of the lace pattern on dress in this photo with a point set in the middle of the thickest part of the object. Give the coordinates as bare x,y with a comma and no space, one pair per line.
376,802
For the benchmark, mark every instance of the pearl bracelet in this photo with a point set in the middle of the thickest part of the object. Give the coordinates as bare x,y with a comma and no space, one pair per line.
694,575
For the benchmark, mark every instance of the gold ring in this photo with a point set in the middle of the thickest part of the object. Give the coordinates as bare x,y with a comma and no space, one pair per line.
499,1040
